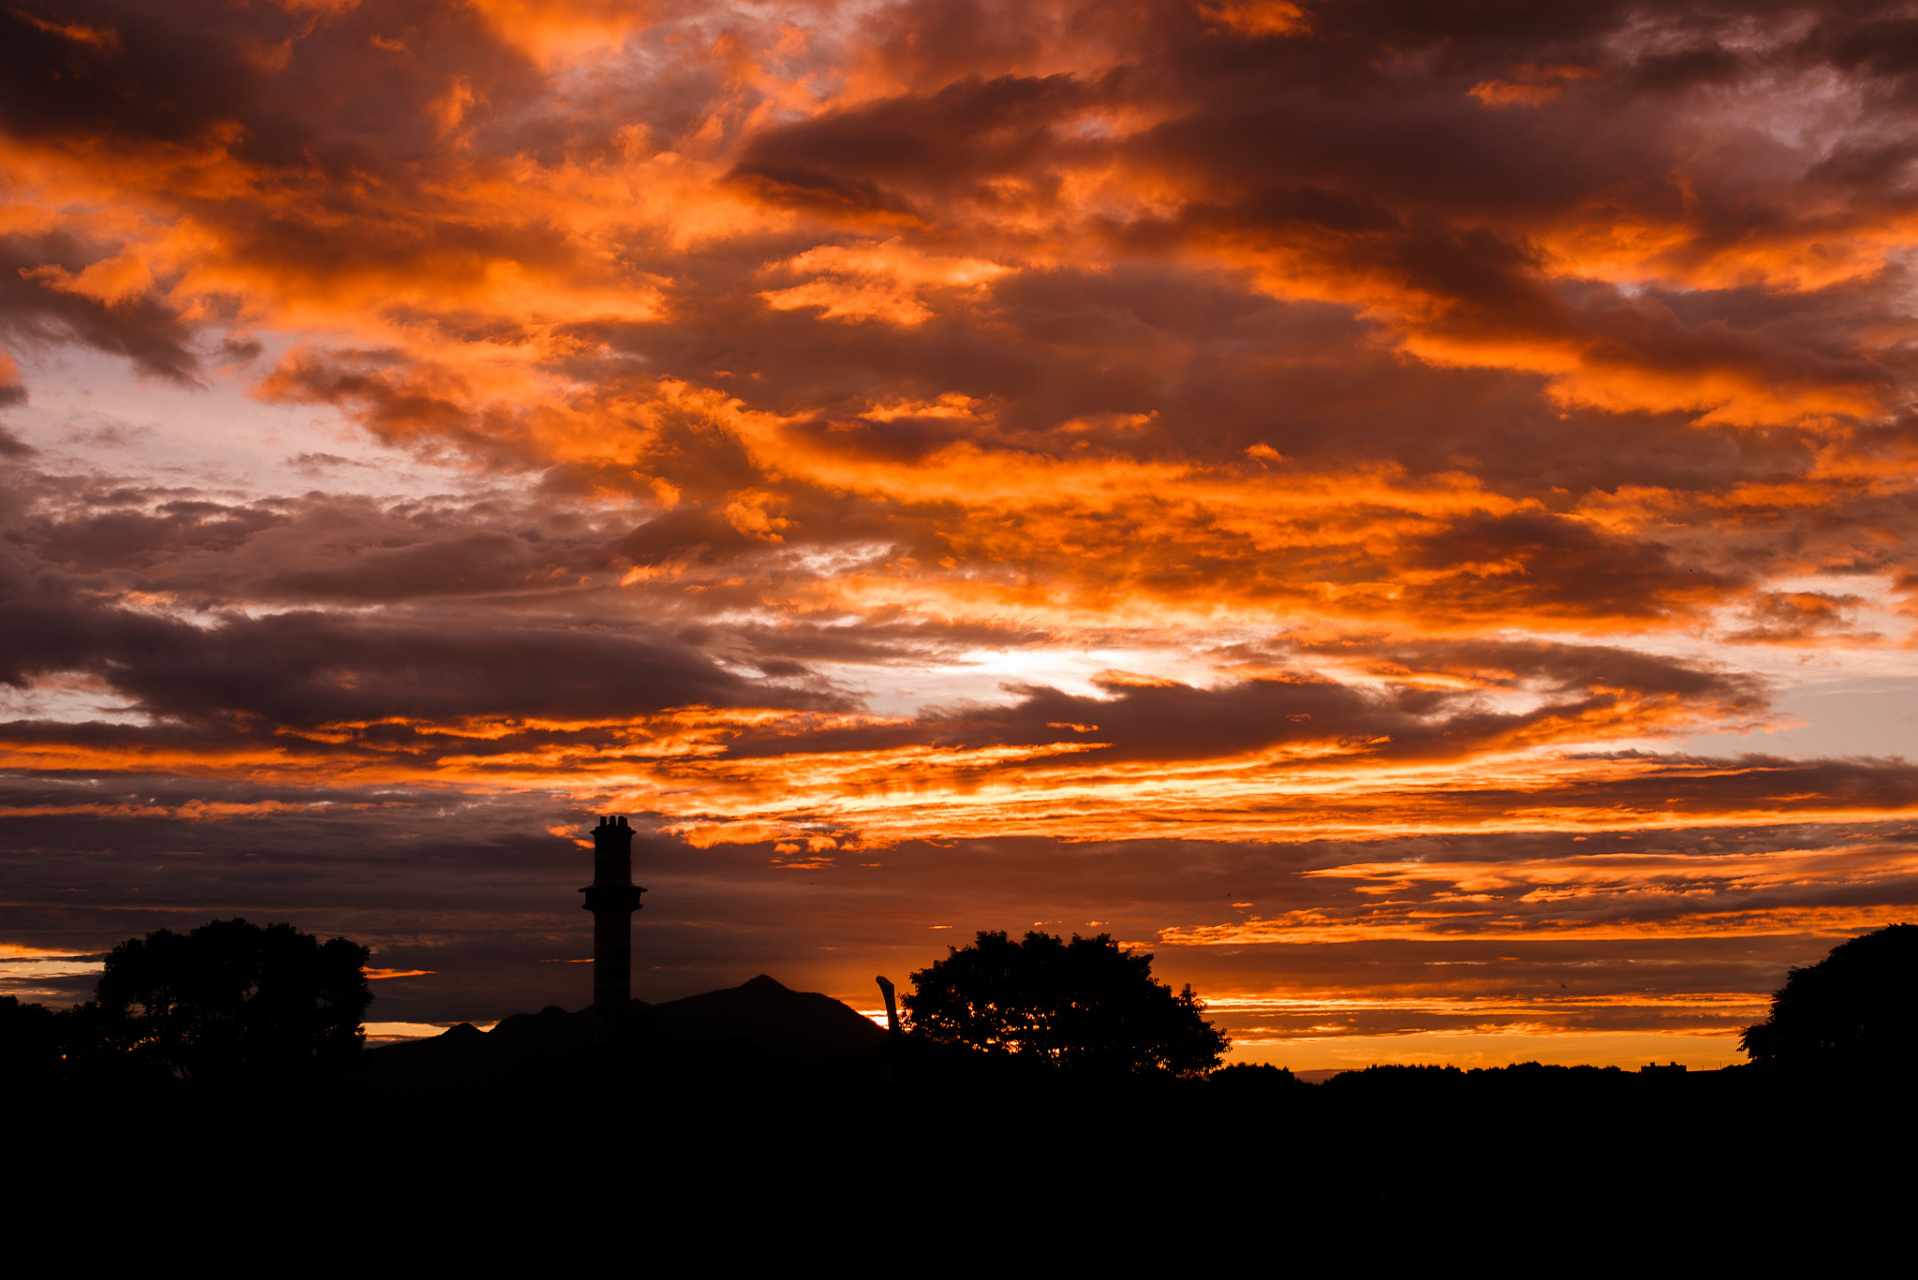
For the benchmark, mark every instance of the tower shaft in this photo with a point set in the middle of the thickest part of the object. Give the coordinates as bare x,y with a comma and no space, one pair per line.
612,897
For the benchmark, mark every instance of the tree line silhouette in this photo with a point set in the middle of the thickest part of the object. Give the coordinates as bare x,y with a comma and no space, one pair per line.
1043,1080
229,1002
233,1002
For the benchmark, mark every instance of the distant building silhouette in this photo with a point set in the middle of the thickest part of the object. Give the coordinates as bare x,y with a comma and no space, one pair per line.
1661,1069
612,897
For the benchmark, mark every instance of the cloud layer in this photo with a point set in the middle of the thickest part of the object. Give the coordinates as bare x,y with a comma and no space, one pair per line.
969,434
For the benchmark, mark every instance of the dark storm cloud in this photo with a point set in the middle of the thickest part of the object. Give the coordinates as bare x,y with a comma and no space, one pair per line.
13,391
80,69
1765,784
1537,561
875,641
1793,617
1166,720
94,541
344,86
944,142
1509,664
36,305
313,548
465,564
390,403
702,536
308,668
81,541
1169,721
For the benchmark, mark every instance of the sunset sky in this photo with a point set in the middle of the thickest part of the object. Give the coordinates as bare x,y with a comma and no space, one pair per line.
1402,510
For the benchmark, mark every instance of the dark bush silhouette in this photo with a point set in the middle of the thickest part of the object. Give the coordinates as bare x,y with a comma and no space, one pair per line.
230,1000
1084,1005
1857,1007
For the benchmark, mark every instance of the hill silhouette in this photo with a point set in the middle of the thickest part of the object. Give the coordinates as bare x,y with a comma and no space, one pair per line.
761,1022
772,1019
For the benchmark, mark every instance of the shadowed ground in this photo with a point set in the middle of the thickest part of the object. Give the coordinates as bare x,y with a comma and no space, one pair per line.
794,1111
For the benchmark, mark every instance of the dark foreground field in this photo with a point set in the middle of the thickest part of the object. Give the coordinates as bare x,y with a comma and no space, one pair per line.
748,1123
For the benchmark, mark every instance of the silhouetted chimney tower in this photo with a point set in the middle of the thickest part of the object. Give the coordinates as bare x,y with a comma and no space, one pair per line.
612,897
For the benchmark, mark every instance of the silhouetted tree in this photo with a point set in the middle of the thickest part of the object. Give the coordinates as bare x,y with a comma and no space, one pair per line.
1086,1005
231,1000
29,1044
1856,1007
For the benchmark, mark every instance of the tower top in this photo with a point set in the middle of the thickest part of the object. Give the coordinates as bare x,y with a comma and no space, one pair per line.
613,820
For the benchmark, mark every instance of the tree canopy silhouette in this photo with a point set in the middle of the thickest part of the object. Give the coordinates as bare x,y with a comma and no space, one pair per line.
29,1044
1086,1005
232,999
1856,1007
